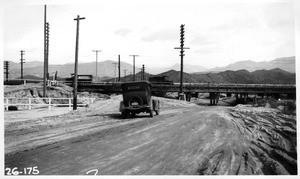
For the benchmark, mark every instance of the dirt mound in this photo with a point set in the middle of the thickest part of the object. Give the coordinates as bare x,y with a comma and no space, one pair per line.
20,94
270,140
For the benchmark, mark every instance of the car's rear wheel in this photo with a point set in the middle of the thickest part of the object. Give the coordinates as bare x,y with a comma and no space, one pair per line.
133,114
124,115
157,107
151,112
157,112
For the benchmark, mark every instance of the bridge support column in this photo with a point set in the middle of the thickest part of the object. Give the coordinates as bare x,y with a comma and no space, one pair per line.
197,94
214,98
228,94
245,97
236,98
182,96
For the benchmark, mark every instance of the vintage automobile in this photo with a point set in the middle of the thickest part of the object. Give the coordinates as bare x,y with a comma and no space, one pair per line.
137,98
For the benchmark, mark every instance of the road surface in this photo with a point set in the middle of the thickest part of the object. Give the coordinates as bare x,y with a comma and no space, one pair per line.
199,140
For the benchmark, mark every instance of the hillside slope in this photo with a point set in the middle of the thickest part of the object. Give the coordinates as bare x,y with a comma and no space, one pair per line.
274,76
284,63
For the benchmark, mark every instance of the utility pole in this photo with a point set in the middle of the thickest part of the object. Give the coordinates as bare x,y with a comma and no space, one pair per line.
96,61
76,63
45,51
115,63
6,67
125,75
143,72
181,55
134,66
119,67
22,61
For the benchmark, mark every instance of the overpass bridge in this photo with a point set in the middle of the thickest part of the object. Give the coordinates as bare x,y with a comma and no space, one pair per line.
214,89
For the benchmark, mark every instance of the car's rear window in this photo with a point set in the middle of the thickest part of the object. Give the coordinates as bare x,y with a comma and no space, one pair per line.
133,87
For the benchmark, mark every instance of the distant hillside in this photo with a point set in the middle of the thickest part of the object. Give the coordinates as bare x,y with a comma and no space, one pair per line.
128,78
105,68
285,63
30,77
187,68
274,76
175,76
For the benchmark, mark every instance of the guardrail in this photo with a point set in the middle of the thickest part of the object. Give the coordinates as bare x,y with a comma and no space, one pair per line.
8,102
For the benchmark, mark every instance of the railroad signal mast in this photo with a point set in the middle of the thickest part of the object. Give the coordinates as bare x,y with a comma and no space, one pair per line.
6,67
181,55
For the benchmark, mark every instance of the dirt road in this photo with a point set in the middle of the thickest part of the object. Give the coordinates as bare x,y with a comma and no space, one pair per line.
188,140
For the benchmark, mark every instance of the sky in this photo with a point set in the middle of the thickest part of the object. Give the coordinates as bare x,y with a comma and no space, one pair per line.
217,32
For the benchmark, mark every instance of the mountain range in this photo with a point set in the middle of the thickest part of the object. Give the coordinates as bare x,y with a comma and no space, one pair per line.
107,69
285,63
273,76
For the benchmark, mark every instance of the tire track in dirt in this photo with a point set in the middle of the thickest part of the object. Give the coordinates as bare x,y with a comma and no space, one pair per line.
271,139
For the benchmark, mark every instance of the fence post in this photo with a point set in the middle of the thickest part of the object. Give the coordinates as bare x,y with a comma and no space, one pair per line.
29,103
49,104
70,104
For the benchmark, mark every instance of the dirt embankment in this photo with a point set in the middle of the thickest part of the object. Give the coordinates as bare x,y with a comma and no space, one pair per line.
19,94
264,142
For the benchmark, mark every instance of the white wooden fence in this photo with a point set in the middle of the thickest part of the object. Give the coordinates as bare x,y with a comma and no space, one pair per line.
8,102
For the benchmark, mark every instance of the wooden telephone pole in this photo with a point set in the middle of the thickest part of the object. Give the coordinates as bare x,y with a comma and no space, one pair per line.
22,61
76,63
96,61
46,50
181,55
119,67
133,66
6,68
115,64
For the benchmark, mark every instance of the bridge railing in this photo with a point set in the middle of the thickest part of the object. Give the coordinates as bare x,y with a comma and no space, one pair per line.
225,87
198,87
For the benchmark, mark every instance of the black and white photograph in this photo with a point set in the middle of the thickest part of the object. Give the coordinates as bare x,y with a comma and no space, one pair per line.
149,88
